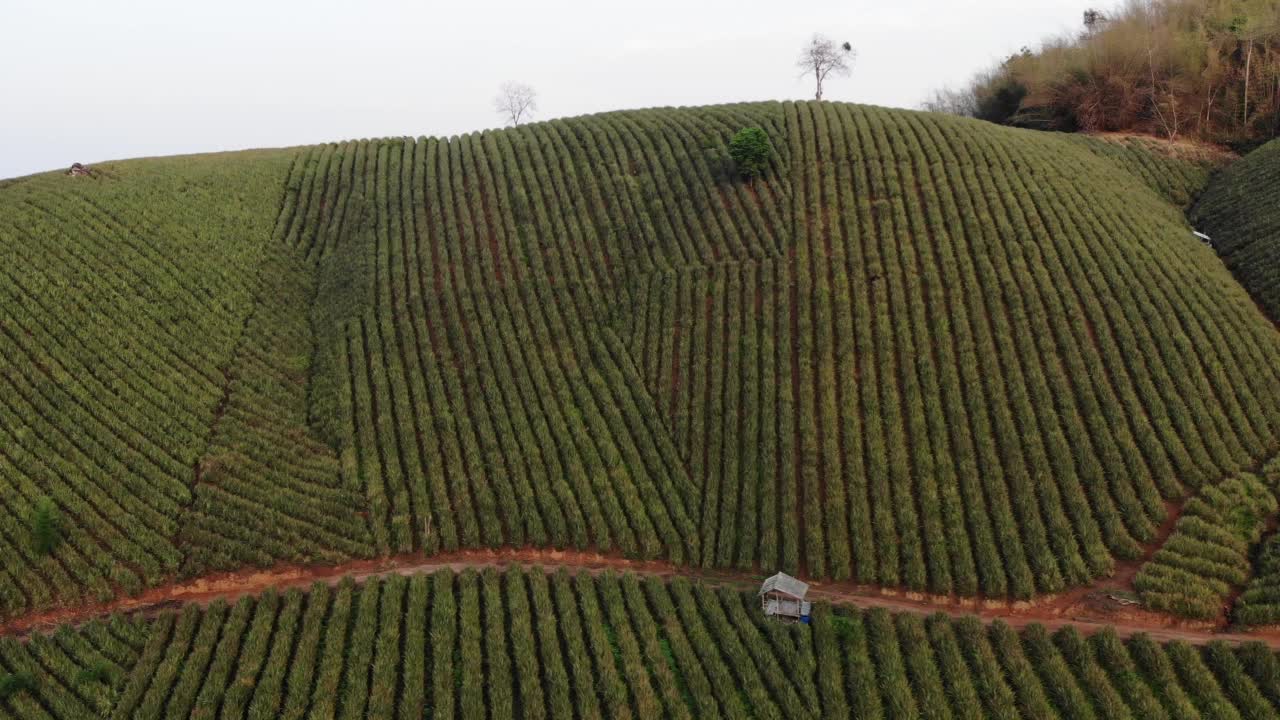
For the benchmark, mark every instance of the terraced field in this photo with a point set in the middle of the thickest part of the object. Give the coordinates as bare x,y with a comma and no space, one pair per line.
1022,388
919,353
122,298
1240,213
1179,172
528,644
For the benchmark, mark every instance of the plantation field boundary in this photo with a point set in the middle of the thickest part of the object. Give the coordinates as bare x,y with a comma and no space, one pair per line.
1050,612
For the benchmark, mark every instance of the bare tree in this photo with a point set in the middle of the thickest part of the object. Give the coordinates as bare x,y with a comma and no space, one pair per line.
515,102
1094,20
961,102
821,57
1161,76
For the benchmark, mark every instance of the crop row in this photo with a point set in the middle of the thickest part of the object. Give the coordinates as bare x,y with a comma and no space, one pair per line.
1259,603
916,352
481,406
955,381
267,490
1208,552
72,673
891,359
528,644
1178,175
121,298
1239,213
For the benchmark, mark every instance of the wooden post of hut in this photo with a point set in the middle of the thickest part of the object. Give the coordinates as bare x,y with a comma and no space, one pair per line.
782,597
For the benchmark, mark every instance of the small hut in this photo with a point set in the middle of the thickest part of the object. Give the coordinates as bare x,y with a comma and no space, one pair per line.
782,596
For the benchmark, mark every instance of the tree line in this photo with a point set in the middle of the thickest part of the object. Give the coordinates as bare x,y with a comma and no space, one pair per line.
1206,69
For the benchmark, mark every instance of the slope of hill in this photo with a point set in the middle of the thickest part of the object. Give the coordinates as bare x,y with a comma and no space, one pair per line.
528,644
74,672
920,352
122,297
952,380
1178,171
1240,210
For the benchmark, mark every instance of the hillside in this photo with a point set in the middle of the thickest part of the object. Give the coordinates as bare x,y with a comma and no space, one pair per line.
122,300
921,352
528,644
1178,171
1240,212
824,247
1175,68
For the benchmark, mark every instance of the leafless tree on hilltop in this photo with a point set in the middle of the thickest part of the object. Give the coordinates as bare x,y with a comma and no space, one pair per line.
515,102
821,57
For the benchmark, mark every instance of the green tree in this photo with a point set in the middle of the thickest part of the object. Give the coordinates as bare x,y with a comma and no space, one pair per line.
749,149
45,531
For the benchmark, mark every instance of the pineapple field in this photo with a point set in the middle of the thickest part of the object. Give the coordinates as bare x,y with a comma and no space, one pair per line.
917,355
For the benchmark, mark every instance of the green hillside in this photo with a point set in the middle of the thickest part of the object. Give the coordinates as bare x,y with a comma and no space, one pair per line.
73,672
920,352
1241,213
122,300
953,382
1208,551
527,644
1177,171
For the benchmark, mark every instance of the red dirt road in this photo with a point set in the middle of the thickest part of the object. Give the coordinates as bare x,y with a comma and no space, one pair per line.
1070,609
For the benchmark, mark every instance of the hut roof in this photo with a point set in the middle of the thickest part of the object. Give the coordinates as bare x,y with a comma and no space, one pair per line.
784,583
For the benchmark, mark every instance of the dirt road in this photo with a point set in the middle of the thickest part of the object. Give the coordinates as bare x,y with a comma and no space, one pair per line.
1052,612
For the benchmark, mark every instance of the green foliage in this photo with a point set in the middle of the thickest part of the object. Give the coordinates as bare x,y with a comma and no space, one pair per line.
1179,172
916,352
1208,551
134,289
820,340
999,100
74,673
268,490
1238,211
595,646
46,526
1259,603
99,671
14,683
750,151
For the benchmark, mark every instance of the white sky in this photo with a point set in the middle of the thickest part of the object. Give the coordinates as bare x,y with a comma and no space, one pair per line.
92,80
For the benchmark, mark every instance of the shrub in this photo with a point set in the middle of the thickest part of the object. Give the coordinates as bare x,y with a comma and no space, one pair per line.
99,671
14,683
750,149
45,531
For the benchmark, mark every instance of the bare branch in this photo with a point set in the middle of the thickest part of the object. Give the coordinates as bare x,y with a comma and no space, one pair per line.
821,57
515,102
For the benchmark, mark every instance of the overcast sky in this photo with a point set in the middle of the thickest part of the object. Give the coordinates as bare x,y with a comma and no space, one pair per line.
91,80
